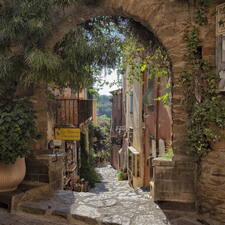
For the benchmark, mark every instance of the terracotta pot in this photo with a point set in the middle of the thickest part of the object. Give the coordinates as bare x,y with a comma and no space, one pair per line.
12,175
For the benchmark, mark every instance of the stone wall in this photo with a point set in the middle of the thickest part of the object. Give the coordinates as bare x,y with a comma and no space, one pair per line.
46,168
114,156
40,103
211,185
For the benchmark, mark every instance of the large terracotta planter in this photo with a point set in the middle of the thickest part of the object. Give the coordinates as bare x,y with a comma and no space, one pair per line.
12,175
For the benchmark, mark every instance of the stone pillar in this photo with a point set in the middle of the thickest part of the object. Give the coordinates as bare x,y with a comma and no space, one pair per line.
42,165
46,168
172,181
40,102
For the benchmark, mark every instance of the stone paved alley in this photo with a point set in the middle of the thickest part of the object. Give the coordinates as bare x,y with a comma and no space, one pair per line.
111,202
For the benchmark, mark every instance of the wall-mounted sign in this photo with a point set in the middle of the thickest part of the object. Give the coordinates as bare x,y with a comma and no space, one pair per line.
67,134
220,19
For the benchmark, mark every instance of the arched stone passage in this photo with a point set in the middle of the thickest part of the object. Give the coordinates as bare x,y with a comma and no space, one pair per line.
174,180
166,19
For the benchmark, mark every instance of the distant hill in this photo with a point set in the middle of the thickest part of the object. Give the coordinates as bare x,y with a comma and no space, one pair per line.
104,106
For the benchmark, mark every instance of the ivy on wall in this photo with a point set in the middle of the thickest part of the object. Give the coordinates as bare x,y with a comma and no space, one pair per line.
201,10
205,105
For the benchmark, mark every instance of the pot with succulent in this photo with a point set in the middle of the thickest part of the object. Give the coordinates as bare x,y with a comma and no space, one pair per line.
17,129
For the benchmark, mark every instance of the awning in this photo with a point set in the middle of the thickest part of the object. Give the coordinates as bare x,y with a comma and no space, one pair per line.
133,150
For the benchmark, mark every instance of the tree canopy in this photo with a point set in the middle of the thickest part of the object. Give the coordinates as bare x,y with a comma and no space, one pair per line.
104,106
76,59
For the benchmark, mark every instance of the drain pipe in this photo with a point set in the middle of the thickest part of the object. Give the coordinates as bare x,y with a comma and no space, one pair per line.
157,116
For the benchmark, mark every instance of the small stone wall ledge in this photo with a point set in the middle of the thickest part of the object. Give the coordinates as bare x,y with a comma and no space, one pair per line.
162,161
50,156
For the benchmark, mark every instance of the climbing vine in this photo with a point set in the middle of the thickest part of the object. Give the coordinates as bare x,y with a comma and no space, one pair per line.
201,10
152,61
205,106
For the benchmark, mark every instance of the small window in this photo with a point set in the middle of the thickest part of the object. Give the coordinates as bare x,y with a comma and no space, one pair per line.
131,136
223,48
130,160
119,102
134,162
131,103
138,166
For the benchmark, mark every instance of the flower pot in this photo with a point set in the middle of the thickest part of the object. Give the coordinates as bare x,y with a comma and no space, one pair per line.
11,175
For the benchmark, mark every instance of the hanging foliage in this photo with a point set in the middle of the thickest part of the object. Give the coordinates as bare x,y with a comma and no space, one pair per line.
77,58
24,25
153,61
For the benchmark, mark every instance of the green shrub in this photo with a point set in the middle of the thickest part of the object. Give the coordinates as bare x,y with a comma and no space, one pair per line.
121,175
87,170
168,154
17,129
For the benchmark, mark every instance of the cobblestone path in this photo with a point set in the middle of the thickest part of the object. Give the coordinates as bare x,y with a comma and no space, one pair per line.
111,202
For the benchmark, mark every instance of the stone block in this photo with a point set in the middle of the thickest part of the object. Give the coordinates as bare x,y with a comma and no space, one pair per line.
31,177
32,210
43,178
208,51
173,181
37,167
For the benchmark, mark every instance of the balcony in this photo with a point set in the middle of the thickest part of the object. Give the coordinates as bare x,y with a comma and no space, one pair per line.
85,111
73,111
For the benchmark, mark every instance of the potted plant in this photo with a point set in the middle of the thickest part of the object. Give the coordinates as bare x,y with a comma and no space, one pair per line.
17,129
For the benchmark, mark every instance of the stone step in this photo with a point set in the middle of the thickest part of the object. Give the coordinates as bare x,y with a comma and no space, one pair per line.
62,217
28,191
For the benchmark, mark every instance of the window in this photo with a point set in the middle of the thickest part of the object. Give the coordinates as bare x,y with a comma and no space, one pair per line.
223,49
133,161
130,160
131,103
131,136
119,102
138,165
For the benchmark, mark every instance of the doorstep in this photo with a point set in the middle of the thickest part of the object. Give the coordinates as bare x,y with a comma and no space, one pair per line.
25,191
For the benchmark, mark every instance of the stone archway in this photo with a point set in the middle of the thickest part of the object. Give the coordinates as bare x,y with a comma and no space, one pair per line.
174,180
167,20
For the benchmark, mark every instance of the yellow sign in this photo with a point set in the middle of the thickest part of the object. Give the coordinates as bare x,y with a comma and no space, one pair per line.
67,134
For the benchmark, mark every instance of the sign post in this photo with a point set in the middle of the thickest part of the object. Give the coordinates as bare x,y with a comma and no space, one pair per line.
67,134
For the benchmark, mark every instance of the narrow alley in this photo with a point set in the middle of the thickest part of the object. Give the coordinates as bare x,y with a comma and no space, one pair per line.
110,202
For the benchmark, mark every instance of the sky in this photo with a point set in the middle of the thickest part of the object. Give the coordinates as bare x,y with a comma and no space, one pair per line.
110,78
